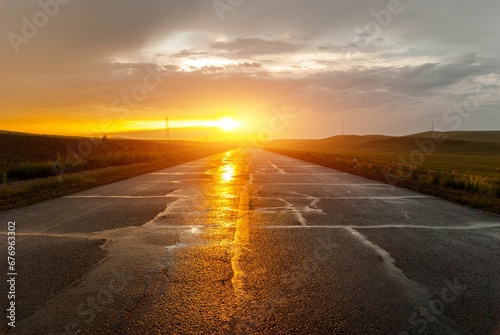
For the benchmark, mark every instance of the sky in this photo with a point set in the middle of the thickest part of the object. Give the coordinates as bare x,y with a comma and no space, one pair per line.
275,68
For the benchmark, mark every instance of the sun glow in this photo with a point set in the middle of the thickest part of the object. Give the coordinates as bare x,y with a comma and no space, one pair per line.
228,124
224,123
191,64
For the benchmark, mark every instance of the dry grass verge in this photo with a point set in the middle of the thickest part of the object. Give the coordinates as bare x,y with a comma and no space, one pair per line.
26,192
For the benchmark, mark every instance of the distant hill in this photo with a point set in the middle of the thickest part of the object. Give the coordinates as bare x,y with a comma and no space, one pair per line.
475,142
350,141
470,136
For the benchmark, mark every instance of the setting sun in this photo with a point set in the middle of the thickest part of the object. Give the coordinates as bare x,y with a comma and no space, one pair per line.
228,124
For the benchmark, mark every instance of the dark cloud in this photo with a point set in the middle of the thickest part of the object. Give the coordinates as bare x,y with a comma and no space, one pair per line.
419,80
83,32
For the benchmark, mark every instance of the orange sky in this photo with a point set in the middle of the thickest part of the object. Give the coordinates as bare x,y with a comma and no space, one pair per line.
290,69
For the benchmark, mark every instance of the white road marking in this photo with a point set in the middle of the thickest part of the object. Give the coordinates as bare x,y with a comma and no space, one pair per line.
357,198
419,294
478,226
189,211
280,171
147,197
323,184
116,196
182,227
291,208
386,257
179,173
296,212
473,226
307,173
155,182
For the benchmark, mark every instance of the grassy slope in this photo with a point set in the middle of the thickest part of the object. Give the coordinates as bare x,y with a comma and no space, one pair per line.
111,161
464,168
18,148
466,151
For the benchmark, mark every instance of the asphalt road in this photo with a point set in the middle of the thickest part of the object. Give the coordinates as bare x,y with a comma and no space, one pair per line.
251,242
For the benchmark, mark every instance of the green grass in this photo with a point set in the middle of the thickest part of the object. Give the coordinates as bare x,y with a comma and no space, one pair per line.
25,156
29,170
22,193
37,168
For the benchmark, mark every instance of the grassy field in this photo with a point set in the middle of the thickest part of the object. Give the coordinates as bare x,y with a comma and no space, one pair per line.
36,168
25,156
460,166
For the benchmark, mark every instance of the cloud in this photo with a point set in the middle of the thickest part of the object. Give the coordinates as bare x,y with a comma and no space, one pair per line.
83,32
265,52
249,47
187,53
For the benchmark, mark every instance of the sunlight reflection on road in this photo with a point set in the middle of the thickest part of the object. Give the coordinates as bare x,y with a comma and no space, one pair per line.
228,169
240,243
232,183
227,173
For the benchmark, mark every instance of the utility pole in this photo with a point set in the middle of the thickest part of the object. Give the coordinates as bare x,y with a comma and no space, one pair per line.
167,130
